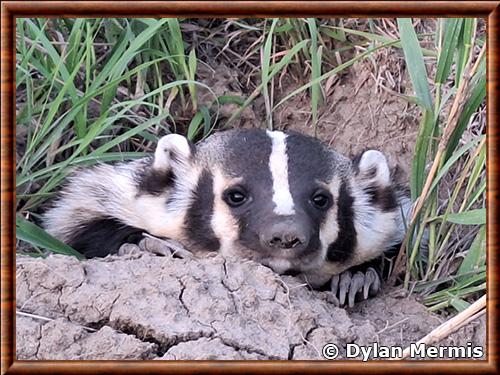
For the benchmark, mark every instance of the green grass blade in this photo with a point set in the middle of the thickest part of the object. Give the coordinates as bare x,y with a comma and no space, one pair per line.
74,39
266,63
82,160
477,194
477,97
417,176
459,304
202,116
207,119
36,236
464,47
415,62
230,99
192,64
471,217
423,285
58,59
452,160
315,53
128,134
194,126
452,30
63,121
47,133
476,255
477,170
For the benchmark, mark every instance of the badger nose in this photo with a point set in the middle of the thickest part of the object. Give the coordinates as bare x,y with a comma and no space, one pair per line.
285,240
284,235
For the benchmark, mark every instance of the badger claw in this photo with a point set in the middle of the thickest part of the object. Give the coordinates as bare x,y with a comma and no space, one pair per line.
357,283
347,286
345,281
334,284
372,283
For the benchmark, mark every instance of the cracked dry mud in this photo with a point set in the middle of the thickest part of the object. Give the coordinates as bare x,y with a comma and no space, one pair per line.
142,306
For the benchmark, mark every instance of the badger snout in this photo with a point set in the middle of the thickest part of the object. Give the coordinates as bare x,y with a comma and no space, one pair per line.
288,234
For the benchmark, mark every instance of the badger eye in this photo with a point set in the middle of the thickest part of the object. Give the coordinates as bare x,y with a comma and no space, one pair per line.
235,197
321,200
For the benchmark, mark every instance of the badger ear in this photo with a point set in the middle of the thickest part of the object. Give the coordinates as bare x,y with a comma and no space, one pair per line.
172,151
371,167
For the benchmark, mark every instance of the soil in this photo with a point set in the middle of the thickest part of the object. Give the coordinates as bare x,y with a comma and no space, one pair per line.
144,306
358,115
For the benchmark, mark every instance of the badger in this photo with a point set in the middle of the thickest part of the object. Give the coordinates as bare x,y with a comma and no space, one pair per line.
283,199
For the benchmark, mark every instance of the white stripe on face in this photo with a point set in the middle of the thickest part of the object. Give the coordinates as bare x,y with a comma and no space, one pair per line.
278,164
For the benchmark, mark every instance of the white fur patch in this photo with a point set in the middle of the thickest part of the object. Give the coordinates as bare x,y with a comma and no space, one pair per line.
170,143
329,230
375,159
223,223
278,164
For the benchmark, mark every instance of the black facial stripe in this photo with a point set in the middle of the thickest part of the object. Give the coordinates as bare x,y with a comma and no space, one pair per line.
200,213
155,182
343,247
314,242
383,197
101,237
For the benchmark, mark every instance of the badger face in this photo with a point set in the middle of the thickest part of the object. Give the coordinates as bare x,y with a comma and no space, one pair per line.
275,197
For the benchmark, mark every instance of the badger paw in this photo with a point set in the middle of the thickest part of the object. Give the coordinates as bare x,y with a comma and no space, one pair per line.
349,285
163,247
129,249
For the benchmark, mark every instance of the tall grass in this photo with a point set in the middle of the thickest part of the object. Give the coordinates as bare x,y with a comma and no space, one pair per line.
439,274
100,90
93,90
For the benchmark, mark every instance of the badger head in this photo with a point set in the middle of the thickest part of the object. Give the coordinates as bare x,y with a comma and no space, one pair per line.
283,199
269,196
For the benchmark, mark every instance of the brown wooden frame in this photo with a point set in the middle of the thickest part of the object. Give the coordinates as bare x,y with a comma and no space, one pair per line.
12,9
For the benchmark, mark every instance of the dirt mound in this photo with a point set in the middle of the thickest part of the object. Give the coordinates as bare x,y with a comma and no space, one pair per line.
142,306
